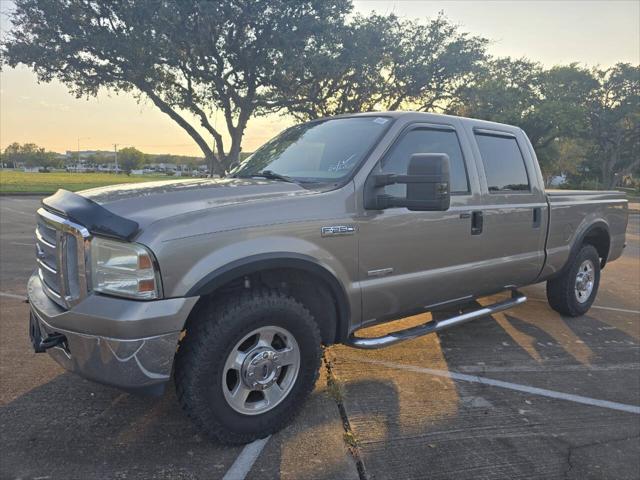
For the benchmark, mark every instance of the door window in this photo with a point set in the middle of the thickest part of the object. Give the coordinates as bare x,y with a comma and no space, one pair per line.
425,140
503,163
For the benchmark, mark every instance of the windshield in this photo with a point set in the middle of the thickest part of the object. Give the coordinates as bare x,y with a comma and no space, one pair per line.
323,151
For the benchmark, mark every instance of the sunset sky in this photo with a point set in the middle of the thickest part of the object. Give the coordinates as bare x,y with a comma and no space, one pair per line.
552,32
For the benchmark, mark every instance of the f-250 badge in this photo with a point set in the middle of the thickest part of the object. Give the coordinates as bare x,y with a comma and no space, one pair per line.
336,230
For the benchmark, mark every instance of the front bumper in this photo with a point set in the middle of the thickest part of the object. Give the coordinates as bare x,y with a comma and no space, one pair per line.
125,343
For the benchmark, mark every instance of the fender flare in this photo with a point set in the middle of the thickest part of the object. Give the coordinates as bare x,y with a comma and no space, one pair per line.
598,224
266,261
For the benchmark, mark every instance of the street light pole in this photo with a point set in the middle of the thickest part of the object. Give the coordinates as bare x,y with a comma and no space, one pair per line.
78,159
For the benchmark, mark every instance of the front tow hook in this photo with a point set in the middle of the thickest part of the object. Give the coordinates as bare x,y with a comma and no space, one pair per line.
51,341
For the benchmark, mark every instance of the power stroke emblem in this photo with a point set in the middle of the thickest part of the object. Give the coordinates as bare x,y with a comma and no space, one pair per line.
337,230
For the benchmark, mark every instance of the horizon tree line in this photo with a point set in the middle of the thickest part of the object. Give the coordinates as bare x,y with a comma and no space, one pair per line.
313,58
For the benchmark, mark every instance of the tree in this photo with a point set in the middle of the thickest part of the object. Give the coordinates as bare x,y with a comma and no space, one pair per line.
614,123
383,63
11,154
130,158
103,158
570,155
29,155
188,58
551,106
34,156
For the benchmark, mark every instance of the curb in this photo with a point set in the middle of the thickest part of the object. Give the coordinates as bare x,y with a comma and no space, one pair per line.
25,194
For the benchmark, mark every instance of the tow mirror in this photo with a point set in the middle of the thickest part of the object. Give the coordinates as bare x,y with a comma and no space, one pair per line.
427,181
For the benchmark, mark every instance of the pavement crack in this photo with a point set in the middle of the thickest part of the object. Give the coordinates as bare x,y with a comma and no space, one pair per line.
567,472
349,437
572,448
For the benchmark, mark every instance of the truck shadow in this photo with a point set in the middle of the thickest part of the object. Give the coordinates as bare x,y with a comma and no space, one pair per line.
70,428
405,419
534,334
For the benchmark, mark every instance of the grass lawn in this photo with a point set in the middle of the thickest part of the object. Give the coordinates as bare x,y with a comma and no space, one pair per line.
13,181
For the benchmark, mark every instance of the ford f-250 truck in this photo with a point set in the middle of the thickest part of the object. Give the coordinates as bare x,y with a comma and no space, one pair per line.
230,286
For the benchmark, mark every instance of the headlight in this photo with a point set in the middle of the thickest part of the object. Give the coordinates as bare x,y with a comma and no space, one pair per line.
123,269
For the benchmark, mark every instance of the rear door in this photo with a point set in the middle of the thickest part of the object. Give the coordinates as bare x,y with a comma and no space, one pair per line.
514,209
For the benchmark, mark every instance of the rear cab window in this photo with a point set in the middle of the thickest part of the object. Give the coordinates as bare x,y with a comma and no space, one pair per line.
504,164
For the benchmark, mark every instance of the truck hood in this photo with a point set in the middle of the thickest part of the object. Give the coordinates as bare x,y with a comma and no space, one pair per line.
150,201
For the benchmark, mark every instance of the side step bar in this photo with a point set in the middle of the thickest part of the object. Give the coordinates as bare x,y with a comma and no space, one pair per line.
392,338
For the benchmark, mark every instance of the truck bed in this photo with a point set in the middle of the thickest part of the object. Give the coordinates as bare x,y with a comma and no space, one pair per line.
579,195
571,212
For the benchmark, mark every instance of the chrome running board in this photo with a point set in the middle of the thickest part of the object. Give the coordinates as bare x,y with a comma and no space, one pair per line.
433,326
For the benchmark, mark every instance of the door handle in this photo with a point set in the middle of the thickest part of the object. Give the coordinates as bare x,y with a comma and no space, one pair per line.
537,217
476,222
465,215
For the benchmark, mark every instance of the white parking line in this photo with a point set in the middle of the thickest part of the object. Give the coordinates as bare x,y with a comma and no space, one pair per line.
613,309
12,295
245,460
623,407
624,310
13,210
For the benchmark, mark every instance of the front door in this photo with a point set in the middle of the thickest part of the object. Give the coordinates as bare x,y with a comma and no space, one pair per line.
409,260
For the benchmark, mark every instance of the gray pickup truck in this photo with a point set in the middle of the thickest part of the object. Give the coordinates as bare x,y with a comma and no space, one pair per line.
231,286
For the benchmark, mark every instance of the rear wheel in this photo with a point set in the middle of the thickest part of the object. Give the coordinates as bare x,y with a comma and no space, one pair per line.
246,366
573,292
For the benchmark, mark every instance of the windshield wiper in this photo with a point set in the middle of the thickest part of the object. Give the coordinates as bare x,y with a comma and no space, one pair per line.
271,175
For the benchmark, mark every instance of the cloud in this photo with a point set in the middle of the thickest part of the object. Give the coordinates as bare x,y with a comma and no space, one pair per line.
54,106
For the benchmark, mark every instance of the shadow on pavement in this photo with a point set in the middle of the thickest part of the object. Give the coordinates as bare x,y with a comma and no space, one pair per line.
413,425
70,428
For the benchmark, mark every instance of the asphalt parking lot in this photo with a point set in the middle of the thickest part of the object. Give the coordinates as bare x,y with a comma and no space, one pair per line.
526,394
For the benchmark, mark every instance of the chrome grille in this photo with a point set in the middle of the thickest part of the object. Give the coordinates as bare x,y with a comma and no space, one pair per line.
61,258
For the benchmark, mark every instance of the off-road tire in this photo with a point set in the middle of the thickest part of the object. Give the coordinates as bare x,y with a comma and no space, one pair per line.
561,290
209,340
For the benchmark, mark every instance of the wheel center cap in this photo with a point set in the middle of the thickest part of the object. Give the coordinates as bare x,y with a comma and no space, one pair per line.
260,370
583,281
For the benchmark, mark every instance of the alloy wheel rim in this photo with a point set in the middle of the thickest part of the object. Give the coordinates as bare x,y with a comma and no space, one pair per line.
585,280
261,370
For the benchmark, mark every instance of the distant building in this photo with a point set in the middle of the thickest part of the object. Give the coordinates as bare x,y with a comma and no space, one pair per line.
104,161
88,154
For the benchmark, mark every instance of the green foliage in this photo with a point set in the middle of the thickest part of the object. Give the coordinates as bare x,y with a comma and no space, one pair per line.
129,159
309,58
581,122
29,155
614,124
188,58
383,63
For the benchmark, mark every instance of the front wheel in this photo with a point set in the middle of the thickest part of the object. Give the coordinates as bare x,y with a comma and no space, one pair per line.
573,292
246,365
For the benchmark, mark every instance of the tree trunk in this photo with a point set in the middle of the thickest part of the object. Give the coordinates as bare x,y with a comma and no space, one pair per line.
608,170
213,162
612,181
236,145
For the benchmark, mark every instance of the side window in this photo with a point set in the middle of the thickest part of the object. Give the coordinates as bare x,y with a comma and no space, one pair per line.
503,163
424,140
